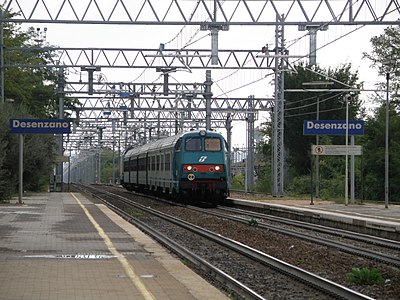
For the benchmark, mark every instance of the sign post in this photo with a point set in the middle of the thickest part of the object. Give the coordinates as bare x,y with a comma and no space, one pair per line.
336,150
34,126
21,167
337,127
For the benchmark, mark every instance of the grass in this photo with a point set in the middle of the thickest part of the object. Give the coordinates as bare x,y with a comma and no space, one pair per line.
365,276
253,222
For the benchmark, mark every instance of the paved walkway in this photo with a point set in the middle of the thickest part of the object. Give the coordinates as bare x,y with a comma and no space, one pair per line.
62,246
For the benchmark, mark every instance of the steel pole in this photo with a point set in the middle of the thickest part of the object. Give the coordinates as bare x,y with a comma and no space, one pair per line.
387,144
2,56
317,159
21,167
346,187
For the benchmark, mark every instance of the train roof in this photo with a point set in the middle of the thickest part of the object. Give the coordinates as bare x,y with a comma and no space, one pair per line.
167,142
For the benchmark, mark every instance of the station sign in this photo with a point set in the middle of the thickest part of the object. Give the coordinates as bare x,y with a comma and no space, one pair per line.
39,126
336,150
61,158
333,127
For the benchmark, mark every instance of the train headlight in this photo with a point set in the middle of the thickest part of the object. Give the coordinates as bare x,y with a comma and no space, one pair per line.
202,133
188,168
217,168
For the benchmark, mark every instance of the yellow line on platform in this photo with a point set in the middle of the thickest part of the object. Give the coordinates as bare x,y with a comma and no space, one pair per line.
130,272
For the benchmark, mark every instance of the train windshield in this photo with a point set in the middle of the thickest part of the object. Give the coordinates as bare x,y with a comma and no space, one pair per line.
193,144
212,144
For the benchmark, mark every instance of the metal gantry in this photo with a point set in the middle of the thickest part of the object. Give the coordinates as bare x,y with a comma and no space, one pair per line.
278,116
199,12
172,59
138,108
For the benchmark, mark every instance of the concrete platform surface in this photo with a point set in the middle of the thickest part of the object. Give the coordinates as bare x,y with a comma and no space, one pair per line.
365,218
63,246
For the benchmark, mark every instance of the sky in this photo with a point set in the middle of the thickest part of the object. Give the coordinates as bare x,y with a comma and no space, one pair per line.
337,45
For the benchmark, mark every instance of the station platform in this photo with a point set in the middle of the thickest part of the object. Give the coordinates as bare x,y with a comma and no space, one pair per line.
372,219
63,246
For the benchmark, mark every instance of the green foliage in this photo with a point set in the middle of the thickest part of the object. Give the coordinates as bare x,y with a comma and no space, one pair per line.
303,106
365,276
238,182
374,155
33,87
252,222
5,191
107,166
299,186
332,188
384,57
370,168
38,155
34,95
263,183
263,155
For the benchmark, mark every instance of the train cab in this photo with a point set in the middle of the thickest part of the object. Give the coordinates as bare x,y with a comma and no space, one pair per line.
201,165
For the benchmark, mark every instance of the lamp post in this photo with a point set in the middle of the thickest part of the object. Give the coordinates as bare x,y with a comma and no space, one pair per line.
317,84
387,143
347,98
346,188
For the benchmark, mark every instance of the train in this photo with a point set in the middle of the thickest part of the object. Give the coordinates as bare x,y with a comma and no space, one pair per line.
191,166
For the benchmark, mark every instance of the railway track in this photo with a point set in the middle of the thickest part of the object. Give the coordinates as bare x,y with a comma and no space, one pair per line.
239,215
326,288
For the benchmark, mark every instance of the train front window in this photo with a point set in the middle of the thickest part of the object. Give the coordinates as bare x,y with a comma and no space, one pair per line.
212,144
193,144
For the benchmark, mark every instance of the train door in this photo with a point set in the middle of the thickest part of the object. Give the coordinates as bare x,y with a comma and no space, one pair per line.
147,166
128,169
137,170
168,175
158,175
176,162
176,165
162,171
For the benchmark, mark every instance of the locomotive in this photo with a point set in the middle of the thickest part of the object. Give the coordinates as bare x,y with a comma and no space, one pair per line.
188,166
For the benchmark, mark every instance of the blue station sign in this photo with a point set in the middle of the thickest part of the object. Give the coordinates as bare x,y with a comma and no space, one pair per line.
333,127
46,126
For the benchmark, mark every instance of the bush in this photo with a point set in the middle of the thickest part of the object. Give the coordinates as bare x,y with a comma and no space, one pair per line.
238,182
365,276
332,188
299,186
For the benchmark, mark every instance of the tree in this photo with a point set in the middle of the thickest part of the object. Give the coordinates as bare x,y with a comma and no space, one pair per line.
107,165
39,153
374,155
263,155
34,95
34,87
5,191
385,57
303,106
300,106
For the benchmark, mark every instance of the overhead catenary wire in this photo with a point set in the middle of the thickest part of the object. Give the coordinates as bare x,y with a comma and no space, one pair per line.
190,42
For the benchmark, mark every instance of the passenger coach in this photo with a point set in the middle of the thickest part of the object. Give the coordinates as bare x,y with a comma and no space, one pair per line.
190,165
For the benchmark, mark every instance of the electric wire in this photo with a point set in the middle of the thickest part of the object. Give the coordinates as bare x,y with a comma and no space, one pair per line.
293,42
313,112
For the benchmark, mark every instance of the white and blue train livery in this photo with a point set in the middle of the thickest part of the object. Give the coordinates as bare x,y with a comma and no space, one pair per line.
191,165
